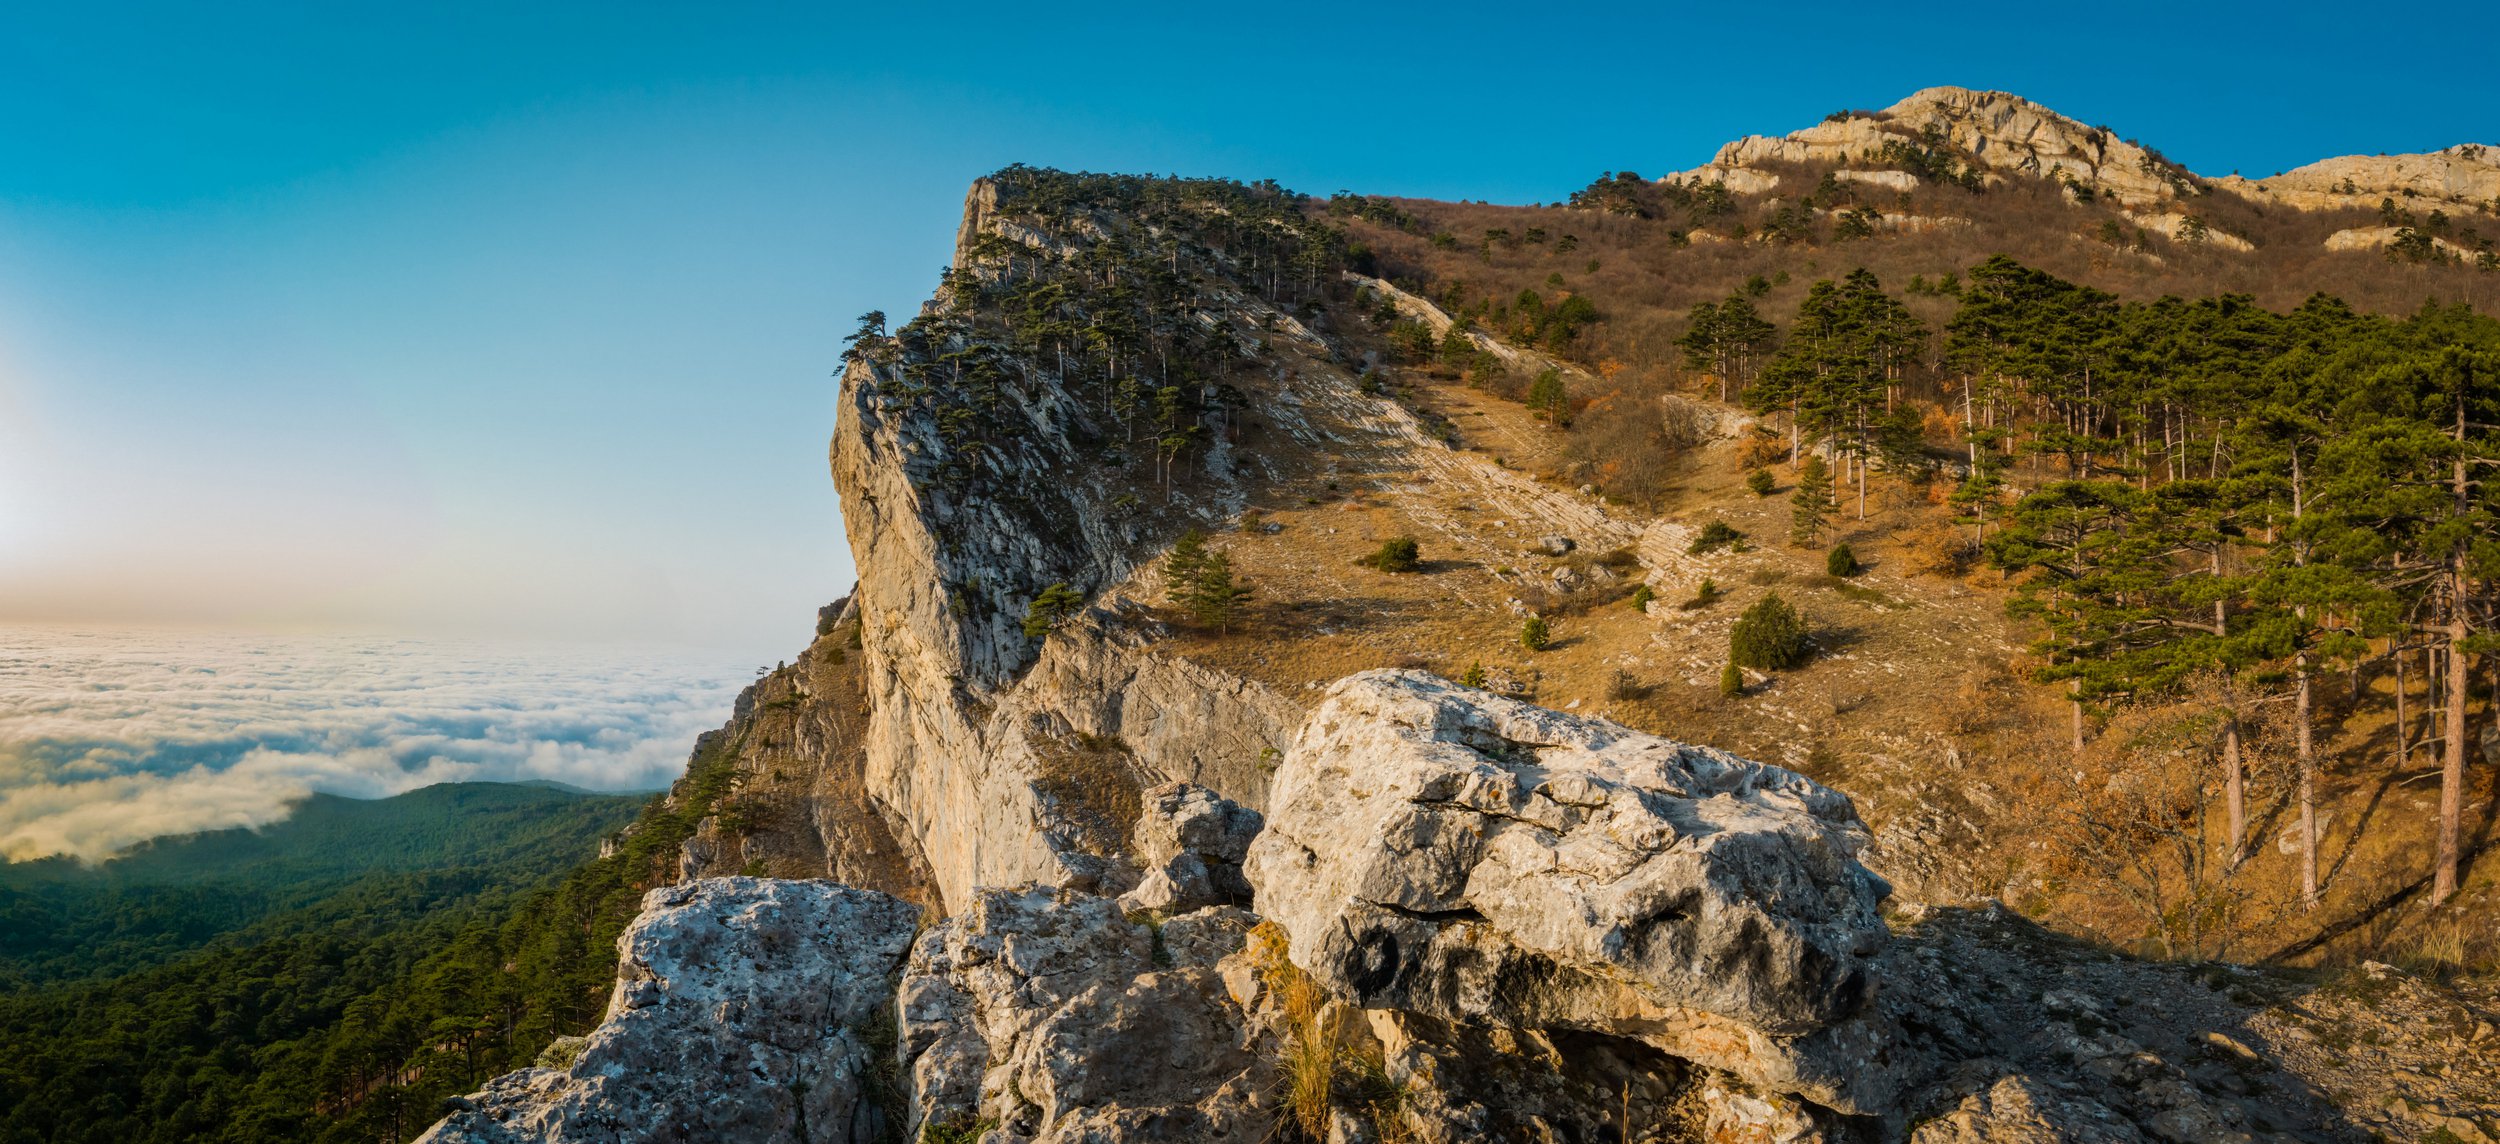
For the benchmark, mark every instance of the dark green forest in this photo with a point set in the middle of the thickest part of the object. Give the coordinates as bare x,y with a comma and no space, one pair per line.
332,978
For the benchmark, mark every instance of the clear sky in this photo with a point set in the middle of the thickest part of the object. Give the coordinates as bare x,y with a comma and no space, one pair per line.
513,317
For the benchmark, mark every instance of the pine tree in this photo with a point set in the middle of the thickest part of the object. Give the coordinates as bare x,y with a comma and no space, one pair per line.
1533,634
1050,609
1180,569
1474,675
1842,561
1548,398
1810,506
1731,681
1215,597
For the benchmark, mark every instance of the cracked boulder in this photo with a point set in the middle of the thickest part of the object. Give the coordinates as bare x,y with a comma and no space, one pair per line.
1191,842
1440,850
743,1010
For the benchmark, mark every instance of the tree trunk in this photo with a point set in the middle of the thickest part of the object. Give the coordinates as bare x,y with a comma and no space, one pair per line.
2452,767
2074,692
2234,787
2308,786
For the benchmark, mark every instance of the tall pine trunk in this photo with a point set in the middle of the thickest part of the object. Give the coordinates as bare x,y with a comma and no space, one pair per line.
2452,767
2308,785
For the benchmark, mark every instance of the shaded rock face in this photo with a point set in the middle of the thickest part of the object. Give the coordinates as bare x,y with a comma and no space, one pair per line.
1191,842
740,1013
1444,851
1047,1014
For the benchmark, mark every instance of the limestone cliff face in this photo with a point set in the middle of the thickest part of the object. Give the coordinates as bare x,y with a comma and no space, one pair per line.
1019,436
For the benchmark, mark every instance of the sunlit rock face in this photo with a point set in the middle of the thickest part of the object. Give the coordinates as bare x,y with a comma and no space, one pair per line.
1441,850
745,1009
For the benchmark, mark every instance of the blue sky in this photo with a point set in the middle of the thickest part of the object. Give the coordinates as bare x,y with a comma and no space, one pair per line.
520,318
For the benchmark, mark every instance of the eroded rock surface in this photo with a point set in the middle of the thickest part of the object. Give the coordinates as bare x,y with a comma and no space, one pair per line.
744,1010
1441,850
1050,1016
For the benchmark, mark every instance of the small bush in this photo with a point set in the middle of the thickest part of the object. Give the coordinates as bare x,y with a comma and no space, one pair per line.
1533,635
1842,562
1761,482
1731,681
1641,596
1770,636
1707,595
1474,675
1939,548
1624,685
1714,536
1396,554
1764,449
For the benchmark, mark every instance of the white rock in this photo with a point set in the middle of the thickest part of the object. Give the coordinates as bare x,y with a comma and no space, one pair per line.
1444,851
738,1014
1050,1013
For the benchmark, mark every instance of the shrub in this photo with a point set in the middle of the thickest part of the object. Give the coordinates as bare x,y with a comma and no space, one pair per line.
1473,676
1761,482
1769,636
1705,596
1938,548
1641,596
1714,536
1842,562
1532,634
1731,681
1396,554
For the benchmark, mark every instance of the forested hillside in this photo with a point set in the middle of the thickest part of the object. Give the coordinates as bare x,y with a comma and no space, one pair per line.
345,970
2236,496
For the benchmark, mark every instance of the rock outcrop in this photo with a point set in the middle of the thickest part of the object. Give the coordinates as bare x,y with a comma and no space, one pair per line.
744,1009
1996,133
1051,1017
1992,135
1444,851
2464,176
1191,842
2367,239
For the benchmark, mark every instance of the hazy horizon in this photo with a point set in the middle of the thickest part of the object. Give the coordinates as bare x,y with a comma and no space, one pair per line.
110,735
523,322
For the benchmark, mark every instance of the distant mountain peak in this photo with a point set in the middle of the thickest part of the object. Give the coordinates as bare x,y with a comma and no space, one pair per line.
1988,136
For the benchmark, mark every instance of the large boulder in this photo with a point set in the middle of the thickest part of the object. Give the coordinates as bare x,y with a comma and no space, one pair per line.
1442,850
1049,1015
743,1010
1191,842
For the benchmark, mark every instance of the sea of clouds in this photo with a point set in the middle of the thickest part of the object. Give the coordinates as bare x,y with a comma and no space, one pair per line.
111,736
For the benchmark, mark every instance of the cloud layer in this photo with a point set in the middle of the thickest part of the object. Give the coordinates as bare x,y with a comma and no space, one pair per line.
112,736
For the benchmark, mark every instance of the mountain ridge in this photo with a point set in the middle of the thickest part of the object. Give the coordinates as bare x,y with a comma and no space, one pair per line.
2003,133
